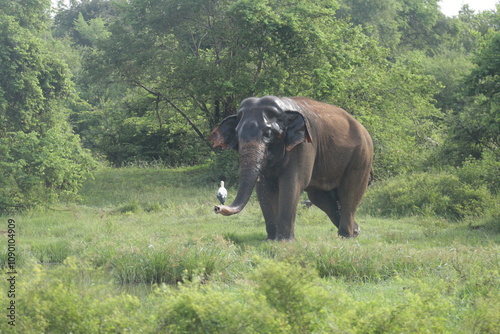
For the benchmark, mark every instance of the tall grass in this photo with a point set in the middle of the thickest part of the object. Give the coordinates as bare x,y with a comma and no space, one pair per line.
144,252
175,262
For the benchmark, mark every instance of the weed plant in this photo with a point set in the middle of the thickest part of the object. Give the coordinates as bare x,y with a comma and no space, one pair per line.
143,252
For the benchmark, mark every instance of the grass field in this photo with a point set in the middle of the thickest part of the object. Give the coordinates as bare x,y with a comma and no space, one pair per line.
143,252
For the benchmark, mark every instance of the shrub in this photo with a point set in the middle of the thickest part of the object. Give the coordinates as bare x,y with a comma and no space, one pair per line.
195,310
492,218
295,293
65,300
440,194
483,317
482,172
421,308
277,297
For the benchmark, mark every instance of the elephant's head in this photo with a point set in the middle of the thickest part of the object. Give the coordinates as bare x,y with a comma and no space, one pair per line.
262,131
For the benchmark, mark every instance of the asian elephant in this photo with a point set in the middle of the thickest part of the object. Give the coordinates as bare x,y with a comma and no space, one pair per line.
290,145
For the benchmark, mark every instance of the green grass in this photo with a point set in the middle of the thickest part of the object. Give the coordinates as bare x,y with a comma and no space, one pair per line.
143,251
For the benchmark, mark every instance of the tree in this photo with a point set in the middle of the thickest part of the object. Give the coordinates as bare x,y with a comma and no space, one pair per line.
40,158
80,10
476,127
402,26
160,65
199,59
380,18
209,55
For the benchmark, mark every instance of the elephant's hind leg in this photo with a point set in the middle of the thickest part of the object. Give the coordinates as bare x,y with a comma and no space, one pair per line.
328,201
350,192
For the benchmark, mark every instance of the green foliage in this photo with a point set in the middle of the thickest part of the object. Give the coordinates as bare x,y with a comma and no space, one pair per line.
51,251
92,13
380,18
475,126
398,115
249,48
483,316
286,48
192,74
417,274
195,310
408,25
30,79
442,194
39,169
479,172
31,16
482,85
92,31
295,293
65,300
420,29
40,158
491,220
152,69
448,68
126,131
371,266
147,69
224,167
277,298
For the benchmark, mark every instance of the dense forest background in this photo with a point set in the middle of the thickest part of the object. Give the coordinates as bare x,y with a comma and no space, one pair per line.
121,81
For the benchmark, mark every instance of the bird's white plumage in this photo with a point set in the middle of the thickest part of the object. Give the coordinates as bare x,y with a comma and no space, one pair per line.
222,193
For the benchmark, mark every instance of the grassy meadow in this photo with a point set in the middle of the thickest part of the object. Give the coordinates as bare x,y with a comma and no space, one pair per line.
143,252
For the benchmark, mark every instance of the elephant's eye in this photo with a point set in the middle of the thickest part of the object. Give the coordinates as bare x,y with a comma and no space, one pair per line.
267,133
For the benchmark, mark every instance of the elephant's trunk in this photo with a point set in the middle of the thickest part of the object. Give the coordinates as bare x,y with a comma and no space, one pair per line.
251,159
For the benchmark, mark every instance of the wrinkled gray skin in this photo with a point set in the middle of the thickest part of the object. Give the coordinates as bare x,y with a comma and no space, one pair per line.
290,145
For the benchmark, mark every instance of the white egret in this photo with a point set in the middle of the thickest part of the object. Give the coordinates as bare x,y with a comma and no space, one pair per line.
222,193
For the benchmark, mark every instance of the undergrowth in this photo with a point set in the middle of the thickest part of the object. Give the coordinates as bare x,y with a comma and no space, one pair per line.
276,297
143,252
441,194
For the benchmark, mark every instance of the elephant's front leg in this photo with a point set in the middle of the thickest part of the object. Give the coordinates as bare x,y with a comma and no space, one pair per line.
268,196
289,194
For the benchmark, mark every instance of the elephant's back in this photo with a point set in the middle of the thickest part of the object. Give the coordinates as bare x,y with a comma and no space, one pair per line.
331,122
338,139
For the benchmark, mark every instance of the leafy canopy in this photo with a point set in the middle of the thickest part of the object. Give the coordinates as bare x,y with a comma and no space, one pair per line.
40,158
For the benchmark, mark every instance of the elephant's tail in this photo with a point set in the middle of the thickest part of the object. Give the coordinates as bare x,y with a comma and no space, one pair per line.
370,180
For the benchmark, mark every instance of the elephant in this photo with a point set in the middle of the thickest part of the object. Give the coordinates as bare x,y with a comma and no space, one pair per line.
290,145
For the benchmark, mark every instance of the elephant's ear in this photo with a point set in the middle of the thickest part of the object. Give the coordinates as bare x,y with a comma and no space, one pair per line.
296,130
225,134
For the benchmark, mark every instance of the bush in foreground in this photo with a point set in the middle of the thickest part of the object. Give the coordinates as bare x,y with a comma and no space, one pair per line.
278,297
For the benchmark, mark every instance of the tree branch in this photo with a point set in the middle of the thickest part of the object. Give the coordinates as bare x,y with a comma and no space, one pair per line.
183,114
195,128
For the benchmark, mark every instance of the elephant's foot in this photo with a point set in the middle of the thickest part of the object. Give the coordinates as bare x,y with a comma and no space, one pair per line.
271,238
280,238
285,239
